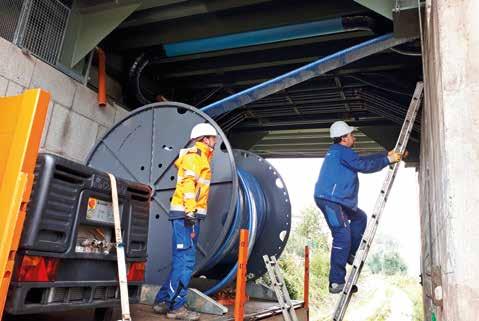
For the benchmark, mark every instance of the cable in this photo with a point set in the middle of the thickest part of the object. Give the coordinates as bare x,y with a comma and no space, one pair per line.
208,96
406,53
378,87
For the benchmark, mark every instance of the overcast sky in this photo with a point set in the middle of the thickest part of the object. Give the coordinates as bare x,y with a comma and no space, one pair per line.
400,220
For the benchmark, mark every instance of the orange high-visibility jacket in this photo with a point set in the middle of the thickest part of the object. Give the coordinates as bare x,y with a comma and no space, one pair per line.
193,182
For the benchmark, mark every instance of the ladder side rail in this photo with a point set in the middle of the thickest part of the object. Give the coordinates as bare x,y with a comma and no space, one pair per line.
373,224
287,298
276,288
400,147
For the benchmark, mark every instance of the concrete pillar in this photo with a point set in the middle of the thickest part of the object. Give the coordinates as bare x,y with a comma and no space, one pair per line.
449,169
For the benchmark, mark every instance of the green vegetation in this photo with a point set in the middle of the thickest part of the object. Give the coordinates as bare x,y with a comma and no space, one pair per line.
413,290
386,259
383,276
381,314
311,231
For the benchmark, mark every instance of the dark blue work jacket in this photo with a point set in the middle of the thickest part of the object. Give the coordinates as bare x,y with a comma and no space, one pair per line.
338,179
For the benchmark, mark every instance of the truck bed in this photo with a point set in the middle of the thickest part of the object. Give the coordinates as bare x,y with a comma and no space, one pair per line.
254,310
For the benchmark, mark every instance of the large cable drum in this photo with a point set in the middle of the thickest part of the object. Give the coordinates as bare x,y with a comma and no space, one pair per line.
246,191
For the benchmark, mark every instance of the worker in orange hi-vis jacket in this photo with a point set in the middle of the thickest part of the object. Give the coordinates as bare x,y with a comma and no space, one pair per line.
188,208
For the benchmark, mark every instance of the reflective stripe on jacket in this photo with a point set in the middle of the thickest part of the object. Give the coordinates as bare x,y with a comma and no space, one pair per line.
193,182
338,179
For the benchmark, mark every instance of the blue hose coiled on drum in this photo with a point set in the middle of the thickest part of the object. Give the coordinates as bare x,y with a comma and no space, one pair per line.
251,207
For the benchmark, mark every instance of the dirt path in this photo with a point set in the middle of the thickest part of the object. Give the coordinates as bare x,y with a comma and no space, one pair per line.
402,308
370,298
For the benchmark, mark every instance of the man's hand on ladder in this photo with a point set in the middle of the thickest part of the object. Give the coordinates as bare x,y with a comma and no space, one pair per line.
395,157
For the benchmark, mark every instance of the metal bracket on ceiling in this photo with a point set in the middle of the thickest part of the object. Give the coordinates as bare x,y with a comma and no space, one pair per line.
406,18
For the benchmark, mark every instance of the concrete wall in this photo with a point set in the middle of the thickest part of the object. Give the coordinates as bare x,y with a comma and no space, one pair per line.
449,169
74,121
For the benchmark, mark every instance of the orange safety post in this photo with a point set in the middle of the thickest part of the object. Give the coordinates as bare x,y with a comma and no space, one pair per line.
21,126
306,280
240,299
101,77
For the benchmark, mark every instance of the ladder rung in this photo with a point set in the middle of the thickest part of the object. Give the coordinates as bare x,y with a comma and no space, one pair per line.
280,289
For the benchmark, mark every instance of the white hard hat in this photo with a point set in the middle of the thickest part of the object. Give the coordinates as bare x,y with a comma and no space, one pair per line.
340,128
201,130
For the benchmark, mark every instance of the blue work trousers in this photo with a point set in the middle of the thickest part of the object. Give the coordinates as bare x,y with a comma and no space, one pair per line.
175,288
347,227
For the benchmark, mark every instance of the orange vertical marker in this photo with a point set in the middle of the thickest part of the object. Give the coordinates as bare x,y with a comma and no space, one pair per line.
101,77
240,299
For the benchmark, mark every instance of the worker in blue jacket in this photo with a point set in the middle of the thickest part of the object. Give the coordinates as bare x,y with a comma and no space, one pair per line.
336,194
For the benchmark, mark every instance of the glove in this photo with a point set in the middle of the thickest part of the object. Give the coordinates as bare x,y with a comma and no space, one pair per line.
395,157
190,218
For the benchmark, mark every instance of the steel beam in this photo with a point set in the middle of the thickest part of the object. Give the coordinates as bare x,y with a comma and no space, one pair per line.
263,62
265,15
304,73
288,55
183,9
383,7
86,28
308,147
98,5
214,82
297,141
305,125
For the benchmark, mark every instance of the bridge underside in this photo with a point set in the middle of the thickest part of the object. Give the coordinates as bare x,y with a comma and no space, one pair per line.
223,53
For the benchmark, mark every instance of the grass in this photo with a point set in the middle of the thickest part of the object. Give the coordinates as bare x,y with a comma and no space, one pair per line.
413,290
381,314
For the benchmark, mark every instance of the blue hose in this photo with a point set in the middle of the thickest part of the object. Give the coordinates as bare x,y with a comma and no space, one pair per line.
229,238
254,203
296,76
257,37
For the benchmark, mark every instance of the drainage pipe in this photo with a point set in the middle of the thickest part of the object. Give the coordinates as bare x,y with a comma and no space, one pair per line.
101,77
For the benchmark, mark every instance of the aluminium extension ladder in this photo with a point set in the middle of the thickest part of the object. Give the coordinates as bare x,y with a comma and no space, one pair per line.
368,237
279,286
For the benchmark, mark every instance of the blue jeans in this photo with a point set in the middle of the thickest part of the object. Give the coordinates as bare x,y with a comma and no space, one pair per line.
347,227
174,290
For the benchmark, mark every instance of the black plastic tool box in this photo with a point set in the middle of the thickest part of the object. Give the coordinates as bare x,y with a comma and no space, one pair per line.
67,256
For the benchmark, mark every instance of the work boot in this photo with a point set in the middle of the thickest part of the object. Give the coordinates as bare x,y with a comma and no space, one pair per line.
160,308
335,288
183,314
351,259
